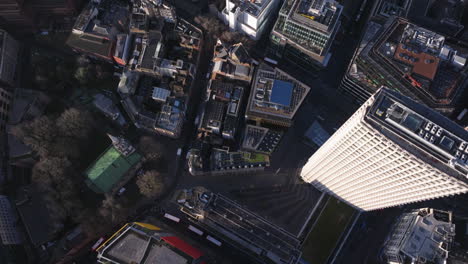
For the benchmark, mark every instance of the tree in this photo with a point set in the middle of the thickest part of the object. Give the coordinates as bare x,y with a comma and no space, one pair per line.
57,179
82,75
75,123
150,184
150,148
113,210
52,172
215,27
92,222
38,134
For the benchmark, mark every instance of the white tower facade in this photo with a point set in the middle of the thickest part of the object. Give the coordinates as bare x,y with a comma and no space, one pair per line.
392,151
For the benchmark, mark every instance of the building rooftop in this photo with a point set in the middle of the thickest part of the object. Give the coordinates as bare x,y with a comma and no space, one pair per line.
107,106
320,14
35,216
109,168
97,45
140,243
433,137
154,103
254,7
233,62
275,94
424,236
221,114
423,64
281,93
416,61
97,26
316,134
260,139
238,226
224,160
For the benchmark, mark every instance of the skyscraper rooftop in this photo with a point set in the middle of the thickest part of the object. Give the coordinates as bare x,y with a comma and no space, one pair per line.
391,151
434,138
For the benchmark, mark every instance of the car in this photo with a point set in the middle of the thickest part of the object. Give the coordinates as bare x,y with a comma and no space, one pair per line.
121,191
205,197
140,172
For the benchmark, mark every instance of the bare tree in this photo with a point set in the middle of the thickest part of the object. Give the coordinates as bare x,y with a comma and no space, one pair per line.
52,172
215,27
150,148
113,210
92,222
150,184
82,75
38,134
43,137
75,123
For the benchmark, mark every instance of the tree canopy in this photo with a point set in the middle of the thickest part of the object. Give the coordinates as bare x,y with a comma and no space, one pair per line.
150,184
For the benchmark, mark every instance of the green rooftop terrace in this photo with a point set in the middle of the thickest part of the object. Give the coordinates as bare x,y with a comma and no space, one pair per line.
109,169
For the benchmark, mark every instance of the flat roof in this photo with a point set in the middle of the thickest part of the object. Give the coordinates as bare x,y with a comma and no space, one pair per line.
281,92
140,243
109,168
432,137
244,228
319,14
94,44
423,63
272,83
416,61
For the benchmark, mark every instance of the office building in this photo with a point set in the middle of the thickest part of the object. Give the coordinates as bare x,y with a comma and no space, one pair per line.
17,14
156,86
421,236
231,223
97,29
444,16
27,16
249,17
232,62
418,62
260,139
109,109
9,52
139,243
305,30
391,151
9,230
6,98
221,115
275,96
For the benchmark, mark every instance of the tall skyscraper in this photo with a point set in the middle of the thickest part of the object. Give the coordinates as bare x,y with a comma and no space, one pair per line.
392,151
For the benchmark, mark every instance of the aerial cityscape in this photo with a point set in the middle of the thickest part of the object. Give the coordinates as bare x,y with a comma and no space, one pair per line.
234,131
